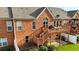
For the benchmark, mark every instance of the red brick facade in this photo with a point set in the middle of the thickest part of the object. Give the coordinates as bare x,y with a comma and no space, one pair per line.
5,34
20,36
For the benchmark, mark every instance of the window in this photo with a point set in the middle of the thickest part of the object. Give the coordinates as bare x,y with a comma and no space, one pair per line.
0,43
45,23
54,23
3,42
19,25
33,25
57,16
74,21
60,23
57,23
9,26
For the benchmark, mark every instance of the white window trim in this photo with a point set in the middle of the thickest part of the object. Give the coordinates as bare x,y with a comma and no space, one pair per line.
9,23
57,27
19,23
2,42
56,24
45,20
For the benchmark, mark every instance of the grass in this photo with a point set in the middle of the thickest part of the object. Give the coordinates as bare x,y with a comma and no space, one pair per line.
7,48
69,47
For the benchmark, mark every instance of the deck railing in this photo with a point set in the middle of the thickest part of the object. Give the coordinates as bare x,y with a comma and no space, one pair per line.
39,39
39,36
37,32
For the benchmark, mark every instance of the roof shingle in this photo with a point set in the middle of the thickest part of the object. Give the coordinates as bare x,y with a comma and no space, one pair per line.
71,13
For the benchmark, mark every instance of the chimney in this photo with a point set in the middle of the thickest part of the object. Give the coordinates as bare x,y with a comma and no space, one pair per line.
10,13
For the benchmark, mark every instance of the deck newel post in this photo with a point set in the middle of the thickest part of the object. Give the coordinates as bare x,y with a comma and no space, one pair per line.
37,43
43,40
50,37
50,40
60,40
68,37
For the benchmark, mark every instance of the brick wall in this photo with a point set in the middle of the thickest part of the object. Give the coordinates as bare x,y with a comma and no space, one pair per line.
5,34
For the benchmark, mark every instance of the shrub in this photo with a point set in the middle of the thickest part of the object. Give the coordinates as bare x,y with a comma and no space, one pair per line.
43,48
51,48
63,38
78,38
7,48
55,44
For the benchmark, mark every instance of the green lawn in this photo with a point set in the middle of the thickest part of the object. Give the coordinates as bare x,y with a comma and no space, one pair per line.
69,47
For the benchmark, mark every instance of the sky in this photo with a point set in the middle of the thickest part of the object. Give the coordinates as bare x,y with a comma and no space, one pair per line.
70,8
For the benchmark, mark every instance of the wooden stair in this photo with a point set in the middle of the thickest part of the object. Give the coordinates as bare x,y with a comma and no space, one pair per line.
41,38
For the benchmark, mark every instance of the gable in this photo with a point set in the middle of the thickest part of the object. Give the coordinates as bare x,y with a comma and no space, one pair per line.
58,11
76,16
48,12
71,13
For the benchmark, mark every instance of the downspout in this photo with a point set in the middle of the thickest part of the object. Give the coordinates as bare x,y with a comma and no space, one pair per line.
11,18
13,23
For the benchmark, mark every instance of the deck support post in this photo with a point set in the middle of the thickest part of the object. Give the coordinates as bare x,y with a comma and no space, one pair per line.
60,41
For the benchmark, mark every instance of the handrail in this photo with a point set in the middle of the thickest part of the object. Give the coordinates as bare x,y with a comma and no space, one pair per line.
39,29
43,37
36,31
32,34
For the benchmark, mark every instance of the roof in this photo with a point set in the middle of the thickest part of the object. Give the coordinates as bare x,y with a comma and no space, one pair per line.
58,13
4,12
26,12
71,13
33,12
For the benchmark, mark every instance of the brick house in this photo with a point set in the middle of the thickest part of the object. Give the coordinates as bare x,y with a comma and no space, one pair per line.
6,28
32,24
74,14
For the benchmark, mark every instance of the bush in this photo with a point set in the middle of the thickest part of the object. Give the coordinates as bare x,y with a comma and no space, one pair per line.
55,44
43,48
7,48
51,48
78,38
63,38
